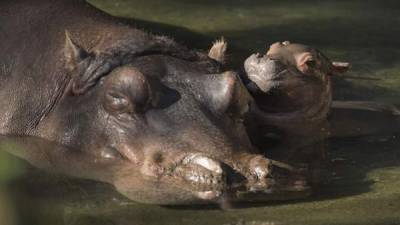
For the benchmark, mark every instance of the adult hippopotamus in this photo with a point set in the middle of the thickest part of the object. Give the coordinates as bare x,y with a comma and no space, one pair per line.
89,95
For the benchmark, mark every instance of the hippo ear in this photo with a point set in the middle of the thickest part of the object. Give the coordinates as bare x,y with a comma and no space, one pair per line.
304,62
218,50
73,53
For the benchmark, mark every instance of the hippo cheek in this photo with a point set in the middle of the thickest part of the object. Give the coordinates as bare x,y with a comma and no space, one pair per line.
129,153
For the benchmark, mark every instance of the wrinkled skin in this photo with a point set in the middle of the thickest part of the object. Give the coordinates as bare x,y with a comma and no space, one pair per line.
94,97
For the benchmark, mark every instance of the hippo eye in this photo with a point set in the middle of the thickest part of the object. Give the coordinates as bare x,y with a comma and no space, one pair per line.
127,91
116,102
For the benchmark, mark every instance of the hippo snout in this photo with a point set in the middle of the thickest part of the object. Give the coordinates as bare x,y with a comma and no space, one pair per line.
264,71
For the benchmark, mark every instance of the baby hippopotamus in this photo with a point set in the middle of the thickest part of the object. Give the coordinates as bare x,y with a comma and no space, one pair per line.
291,85
292,77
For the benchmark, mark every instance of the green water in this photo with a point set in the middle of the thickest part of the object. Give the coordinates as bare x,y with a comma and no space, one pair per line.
361,183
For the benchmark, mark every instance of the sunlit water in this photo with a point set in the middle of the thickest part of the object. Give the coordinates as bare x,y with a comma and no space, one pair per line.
361,182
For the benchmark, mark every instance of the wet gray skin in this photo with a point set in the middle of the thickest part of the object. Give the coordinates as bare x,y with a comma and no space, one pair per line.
296,78
291,85
163,122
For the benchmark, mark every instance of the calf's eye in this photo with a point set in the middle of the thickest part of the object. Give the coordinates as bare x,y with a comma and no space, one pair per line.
311,63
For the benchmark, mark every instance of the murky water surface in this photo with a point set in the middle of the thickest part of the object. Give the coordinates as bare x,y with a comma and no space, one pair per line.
361,183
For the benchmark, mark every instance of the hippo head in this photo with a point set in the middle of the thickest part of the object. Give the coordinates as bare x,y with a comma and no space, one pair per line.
176,120
292,78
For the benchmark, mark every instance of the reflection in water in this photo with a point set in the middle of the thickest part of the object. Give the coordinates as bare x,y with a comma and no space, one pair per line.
7,213
125,176
360,176
356,173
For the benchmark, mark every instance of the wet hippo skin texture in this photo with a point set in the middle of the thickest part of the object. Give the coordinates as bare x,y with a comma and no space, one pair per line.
295,113
161,122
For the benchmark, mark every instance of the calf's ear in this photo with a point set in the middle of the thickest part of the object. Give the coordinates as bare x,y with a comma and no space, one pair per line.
73,53
304,61
340,67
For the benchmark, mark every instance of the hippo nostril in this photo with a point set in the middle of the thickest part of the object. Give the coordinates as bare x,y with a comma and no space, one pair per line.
158,157
203,161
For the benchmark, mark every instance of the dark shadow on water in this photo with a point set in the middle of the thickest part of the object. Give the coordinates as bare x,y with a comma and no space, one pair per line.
347,163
